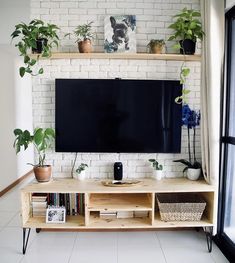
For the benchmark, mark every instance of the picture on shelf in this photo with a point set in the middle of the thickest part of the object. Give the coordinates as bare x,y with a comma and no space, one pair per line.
119,33
55,214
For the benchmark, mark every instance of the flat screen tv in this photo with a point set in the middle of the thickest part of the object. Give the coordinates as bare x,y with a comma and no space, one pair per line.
115,115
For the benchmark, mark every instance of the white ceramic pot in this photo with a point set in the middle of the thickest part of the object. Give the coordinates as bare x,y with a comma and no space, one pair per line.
80,176
193,174
158,174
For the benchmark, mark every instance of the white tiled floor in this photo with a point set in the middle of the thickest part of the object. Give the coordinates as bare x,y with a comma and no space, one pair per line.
184,246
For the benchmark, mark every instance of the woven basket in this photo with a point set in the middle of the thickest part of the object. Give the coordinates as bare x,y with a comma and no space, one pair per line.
180,207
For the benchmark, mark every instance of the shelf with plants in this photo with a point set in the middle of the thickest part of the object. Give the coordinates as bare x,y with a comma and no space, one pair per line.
136,56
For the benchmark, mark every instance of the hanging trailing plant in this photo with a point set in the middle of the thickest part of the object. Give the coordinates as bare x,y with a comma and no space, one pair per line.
36,37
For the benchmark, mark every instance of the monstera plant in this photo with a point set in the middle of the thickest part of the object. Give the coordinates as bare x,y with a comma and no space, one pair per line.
42,140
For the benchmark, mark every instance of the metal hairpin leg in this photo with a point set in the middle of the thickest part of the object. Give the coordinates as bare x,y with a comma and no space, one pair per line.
38,230
209,234
25,239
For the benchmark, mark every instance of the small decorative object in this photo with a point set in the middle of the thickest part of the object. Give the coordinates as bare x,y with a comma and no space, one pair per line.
55,214
126,183
118,171
188,29
158,169
42,140
191,119
120,33
84,37
80,172
156,46
37,37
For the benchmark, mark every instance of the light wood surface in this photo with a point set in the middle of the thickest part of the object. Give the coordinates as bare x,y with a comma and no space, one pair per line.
40,222
137,56
176,224
119,202
100,198
70,185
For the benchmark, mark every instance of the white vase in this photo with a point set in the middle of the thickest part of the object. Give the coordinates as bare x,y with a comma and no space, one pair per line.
193,174
80,176
158,174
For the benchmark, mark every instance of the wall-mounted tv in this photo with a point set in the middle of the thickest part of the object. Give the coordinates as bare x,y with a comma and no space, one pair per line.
117,115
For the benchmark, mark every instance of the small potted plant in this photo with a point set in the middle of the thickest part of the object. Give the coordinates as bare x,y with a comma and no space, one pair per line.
156,46
84,37
188,29
158,169
191,119
42,140
80,172
36,37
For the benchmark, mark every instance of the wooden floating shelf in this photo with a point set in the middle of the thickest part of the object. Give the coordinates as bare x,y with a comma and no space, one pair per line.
136,56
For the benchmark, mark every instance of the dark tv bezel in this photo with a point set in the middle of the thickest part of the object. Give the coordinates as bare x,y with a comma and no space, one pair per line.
58,149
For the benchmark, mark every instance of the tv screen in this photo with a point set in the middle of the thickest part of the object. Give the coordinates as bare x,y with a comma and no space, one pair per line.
115,115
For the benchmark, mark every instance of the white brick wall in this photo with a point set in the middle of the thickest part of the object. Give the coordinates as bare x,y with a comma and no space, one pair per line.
153,17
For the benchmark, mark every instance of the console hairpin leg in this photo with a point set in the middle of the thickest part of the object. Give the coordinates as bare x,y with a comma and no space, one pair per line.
209,234
25,238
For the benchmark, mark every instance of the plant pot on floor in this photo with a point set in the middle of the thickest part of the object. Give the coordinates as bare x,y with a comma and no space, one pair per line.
40,43
158,175
193,174
85,46
42,173
187,47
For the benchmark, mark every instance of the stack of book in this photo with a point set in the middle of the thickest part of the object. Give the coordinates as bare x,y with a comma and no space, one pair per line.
39,204
108,215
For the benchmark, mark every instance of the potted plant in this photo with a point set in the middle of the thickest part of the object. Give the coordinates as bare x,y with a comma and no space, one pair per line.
36,37
191,119
156,46
188,29
80,171
84,36
42,139
158,169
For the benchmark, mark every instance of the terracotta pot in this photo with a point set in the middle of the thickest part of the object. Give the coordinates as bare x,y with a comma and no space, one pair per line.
85,46
157,49
43,173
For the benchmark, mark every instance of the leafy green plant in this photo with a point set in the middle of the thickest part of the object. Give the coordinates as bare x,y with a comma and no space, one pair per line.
42,140
81,168
29,35
156,164
83,32
187,26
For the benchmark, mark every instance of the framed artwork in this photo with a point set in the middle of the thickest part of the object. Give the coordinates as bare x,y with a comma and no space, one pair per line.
55,215
119,33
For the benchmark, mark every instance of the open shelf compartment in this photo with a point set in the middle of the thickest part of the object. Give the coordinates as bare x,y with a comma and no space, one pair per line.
120,202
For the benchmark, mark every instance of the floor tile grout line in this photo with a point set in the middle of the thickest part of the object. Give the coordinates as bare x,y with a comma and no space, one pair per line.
160,246
75,239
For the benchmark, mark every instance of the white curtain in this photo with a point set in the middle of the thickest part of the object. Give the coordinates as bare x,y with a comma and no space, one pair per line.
211,83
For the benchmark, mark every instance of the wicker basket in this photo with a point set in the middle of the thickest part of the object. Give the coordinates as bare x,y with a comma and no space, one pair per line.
180,207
